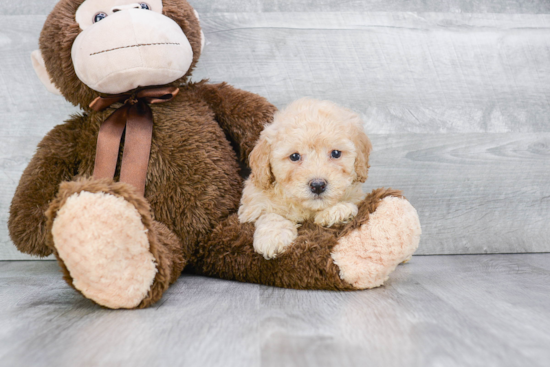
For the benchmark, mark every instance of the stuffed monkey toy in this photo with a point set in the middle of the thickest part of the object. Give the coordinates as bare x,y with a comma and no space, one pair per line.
145,182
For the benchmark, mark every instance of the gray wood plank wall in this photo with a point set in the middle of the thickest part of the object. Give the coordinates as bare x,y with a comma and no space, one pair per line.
454,94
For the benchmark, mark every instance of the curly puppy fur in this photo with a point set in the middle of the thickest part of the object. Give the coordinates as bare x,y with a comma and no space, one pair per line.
328,146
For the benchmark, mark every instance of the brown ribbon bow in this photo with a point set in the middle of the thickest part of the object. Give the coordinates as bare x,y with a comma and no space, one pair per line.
135,116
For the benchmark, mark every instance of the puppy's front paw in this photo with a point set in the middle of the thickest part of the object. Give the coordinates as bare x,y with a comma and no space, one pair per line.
273,235
339,213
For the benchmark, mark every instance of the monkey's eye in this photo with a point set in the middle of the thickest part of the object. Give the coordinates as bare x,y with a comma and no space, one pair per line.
144,6
295,157
336,154
99,16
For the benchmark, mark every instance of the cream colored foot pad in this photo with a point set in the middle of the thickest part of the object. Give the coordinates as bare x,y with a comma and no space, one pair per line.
104,244
369,254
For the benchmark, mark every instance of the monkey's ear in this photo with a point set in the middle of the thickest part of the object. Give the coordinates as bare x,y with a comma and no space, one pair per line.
40,69
203,40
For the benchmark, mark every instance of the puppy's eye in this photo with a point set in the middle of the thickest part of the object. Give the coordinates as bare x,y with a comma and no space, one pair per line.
145,6
294,157
336,154
99,16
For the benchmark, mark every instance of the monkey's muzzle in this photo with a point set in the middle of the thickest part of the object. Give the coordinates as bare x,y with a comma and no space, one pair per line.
130,49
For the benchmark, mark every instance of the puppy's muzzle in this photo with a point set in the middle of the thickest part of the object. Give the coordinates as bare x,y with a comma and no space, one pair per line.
317,186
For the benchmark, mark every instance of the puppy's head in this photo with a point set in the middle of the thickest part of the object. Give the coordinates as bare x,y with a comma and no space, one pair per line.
314,150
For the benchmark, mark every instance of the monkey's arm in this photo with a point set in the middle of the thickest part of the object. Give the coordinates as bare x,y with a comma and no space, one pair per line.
241,114
53,162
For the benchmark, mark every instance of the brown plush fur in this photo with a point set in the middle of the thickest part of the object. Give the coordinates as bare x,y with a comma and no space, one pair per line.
192,181
229,254
193,184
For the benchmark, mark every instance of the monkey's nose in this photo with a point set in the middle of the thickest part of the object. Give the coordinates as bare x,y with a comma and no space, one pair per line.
317,186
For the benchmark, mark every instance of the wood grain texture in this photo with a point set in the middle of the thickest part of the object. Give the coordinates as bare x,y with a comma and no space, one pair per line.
473,310
26,7
457,104
441,6
475,193
28,111
435,311
33,7
404,72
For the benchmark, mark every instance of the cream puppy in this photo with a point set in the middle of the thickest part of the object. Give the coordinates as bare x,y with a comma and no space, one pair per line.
308,165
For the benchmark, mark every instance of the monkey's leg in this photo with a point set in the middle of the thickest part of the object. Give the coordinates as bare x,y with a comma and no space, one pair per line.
358,255
108,246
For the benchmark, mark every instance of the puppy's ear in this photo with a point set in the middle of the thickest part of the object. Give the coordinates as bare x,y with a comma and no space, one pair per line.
261,176
363,147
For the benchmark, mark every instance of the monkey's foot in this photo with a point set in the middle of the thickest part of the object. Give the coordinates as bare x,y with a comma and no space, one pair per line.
108,246
368,254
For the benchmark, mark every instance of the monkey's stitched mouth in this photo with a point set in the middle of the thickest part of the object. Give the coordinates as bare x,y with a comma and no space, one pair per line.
138,45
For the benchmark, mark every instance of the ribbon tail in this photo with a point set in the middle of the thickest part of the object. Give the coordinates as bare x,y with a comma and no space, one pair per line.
137,146
108,144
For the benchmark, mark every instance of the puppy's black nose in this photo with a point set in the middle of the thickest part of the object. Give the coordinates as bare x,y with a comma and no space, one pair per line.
317,186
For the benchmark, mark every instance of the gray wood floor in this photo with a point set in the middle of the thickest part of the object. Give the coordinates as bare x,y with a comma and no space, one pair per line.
455,95
462,310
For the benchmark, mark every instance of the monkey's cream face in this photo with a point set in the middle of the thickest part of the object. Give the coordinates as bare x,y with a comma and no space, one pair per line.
126,44
313,161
